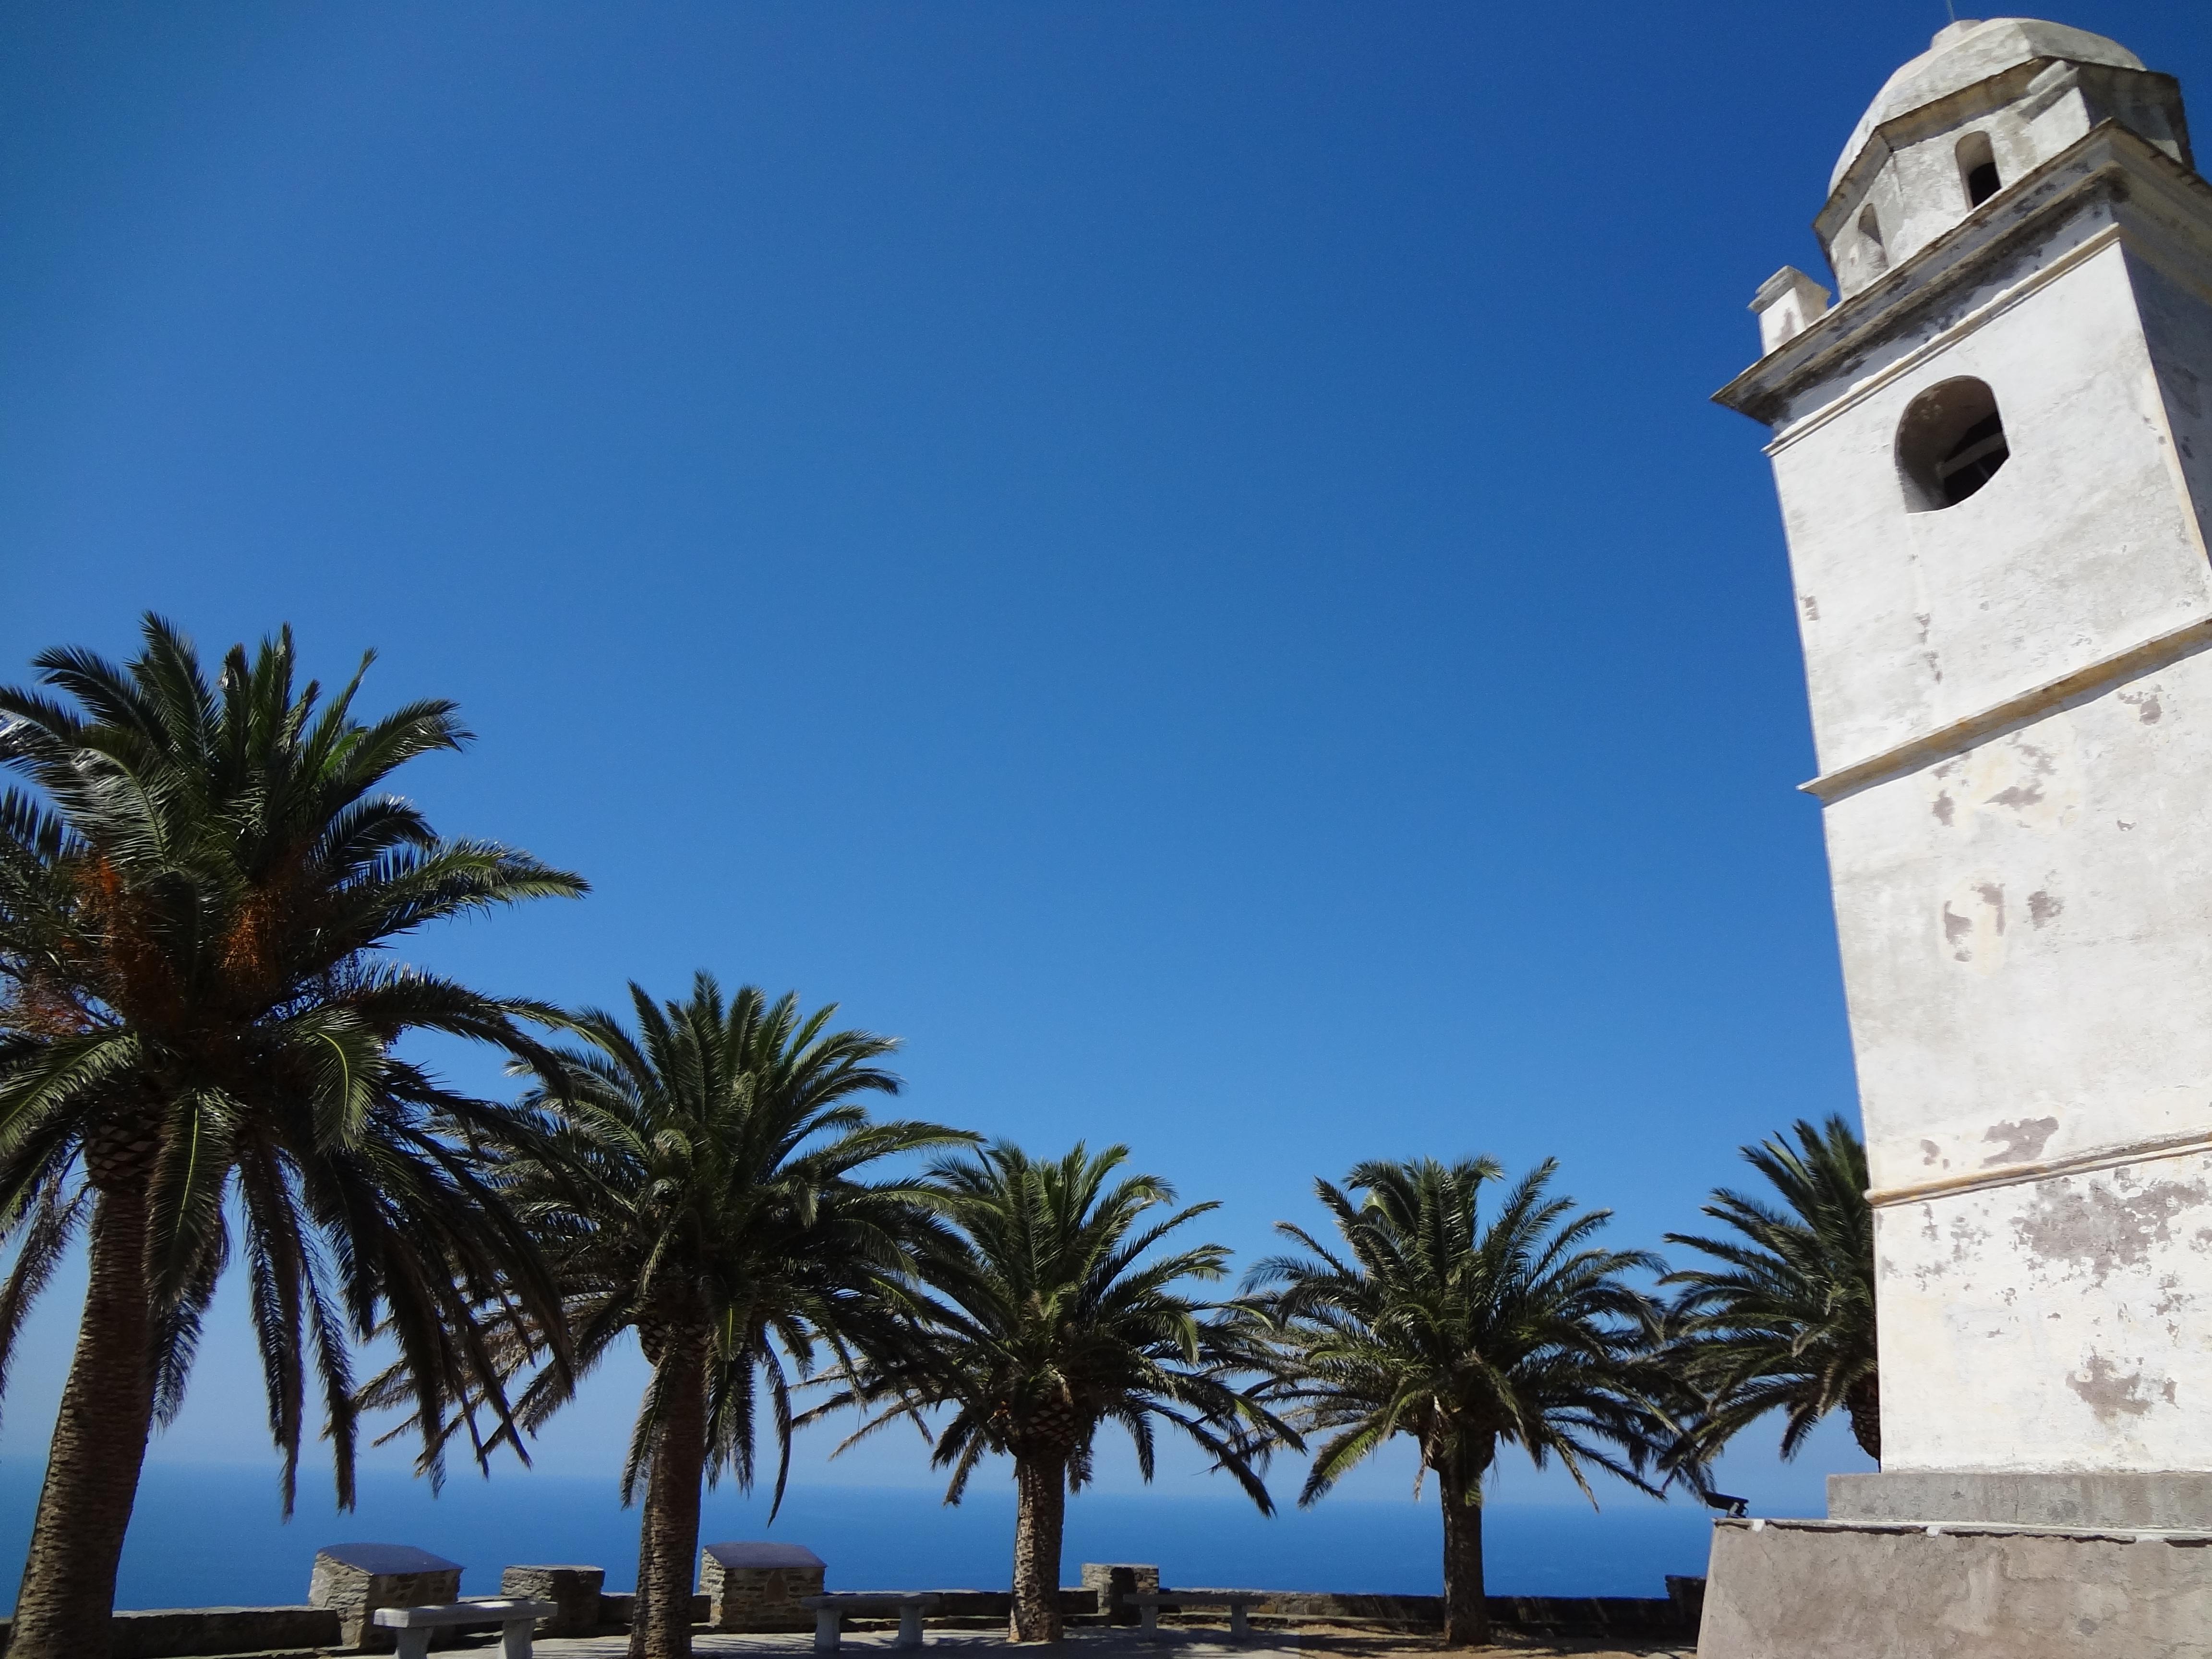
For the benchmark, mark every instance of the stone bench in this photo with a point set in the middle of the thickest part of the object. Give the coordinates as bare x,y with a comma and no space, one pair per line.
1148,1604
514,1619
829,1612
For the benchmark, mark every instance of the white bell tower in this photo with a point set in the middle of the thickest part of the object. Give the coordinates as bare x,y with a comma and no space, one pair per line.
1994,457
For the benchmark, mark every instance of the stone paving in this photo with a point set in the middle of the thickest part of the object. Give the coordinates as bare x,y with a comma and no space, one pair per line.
1175,1643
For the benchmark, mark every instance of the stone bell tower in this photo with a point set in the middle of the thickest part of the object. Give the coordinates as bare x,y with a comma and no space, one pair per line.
1994,455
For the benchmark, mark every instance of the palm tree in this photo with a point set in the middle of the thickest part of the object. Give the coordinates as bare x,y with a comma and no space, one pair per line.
197,1033
1050,1317
698,1184
1787,1319
1462,1336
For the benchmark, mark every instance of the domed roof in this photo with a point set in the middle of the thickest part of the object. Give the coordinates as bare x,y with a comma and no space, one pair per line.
1968,51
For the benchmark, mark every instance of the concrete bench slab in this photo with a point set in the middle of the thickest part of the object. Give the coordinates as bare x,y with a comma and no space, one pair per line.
515,1619
829,1612
1148,1604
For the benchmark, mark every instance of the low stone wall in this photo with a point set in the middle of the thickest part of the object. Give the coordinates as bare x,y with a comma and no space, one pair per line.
1114,1581
997,1604
357,1579
174,1632
755,1585
1842,1589
177,1633
1562,1615
616,1609
573,1592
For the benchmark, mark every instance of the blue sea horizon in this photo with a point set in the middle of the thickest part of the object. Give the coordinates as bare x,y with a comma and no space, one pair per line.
209,1534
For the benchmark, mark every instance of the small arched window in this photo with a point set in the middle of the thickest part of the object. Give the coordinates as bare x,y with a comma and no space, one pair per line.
1950,443
1875,252
1977,169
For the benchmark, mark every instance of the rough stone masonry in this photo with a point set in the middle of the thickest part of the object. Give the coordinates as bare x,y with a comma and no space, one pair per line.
1994,455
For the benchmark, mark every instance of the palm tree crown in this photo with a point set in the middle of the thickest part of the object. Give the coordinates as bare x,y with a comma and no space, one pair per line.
198,1029
698,1185
1050,1316
1786,1320
1462,1336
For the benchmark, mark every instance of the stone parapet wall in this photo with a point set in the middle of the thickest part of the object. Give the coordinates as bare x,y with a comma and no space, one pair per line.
760,1586
354,1596
1566,1616
574,1591
618,1608
1114,1582
955,1606
1826,1590
177,1632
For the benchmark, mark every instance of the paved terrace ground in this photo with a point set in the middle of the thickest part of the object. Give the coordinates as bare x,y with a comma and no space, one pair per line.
1317,1642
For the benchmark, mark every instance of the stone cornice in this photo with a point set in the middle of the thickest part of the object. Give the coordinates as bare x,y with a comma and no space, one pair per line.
2109,163
2014,1175
2075,686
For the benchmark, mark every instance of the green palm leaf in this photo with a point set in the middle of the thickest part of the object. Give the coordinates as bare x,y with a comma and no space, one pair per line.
199,1027
1049,1314
1428,1323
1785,1319
695,1175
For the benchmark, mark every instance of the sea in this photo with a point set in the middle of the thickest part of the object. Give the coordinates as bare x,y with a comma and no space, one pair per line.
211,1533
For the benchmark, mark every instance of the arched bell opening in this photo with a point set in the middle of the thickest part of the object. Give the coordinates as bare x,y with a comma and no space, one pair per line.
1950,443
1977,169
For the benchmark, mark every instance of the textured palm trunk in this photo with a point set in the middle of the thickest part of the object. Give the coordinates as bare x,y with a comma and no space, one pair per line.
1864,1402
1467,1606
1041,1487
67,1595
660,1624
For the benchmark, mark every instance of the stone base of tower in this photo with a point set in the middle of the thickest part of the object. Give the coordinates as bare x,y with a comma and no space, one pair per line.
1897,1589
2178,1500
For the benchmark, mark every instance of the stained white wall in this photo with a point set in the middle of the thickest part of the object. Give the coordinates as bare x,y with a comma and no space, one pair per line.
2027,919
2085,543
2055,1326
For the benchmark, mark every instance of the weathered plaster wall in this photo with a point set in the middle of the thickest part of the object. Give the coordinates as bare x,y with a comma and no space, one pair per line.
1910,176
2025,904
1812,1590
2174,293
2081,546
2055,1324
2027,931
2027,935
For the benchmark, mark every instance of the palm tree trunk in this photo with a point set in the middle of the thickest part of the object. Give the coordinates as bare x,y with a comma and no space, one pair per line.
1040,1486
1467,1606
68,1595
660,1624
1864,1402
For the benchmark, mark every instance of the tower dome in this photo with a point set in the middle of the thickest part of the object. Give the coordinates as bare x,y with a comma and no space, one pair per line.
1986,104
1971,50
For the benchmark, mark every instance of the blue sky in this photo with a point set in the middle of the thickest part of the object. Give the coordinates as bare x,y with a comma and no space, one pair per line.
1174,556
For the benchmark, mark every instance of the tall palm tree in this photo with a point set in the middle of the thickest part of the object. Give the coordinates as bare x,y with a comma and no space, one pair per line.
699,1183
1462,1336
1786,1320
1050,1316
197,1030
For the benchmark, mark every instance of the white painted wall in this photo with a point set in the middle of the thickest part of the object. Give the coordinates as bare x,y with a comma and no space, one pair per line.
2026,911
2059,1325
2083,545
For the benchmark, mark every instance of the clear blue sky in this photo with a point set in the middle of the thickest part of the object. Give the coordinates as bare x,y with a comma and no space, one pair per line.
1174,556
